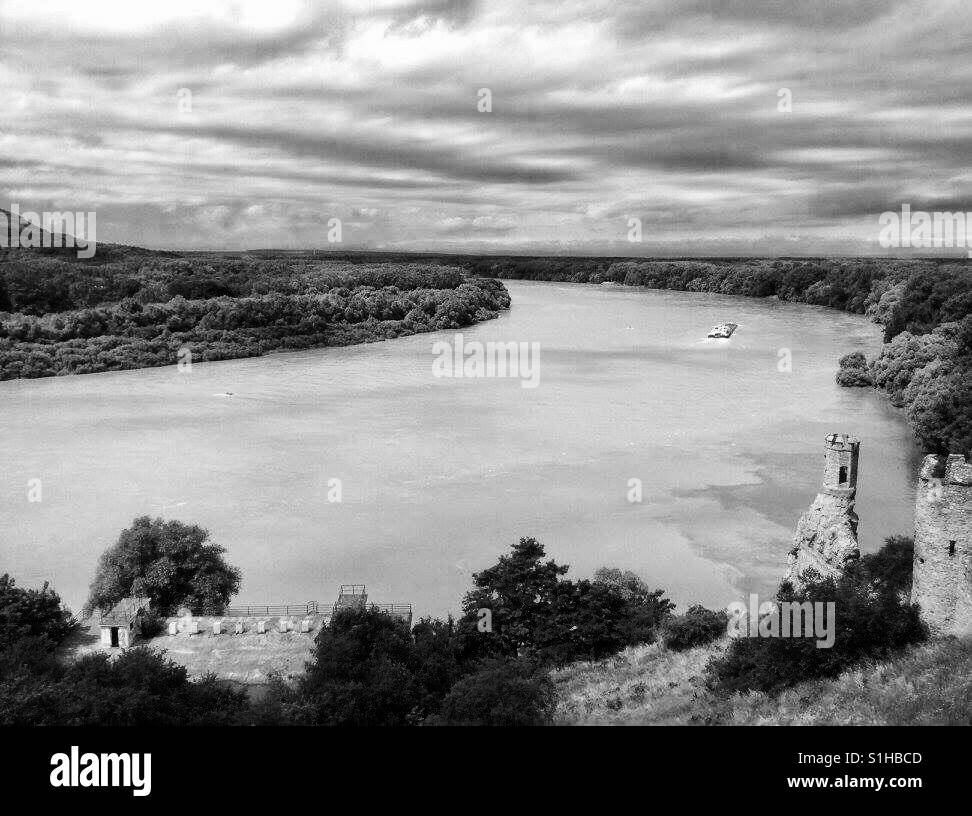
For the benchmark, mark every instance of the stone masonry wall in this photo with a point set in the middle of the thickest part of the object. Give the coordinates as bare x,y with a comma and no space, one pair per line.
942,583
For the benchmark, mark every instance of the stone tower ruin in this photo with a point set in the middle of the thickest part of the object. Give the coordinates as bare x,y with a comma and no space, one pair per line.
942,582
826,536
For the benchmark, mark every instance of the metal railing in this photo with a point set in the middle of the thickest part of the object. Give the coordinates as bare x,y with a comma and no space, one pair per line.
308,608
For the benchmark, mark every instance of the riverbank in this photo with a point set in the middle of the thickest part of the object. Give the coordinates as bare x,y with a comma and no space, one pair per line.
59,317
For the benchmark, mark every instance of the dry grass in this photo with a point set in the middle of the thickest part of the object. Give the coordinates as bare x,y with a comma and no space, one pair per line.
930,684
643,685
926,685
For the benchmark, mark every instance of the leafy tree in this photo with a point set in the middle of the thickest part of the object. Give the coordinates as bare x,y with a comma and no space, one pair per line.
518,591
439,661
534,611
940,407
590,620
633,588
169,562
930,298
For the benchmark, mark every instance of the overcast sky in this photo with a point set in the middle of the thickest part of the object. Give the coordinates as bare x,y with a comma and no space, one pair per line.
602,111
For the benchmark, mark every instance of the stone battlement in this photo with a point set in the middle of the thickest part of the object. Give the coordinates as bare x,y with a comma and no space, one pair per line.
842,441
956,470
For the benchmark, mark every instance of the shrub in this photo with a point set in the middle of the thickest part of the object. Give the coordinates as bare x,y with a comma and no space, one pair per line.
26,613
870,621
500,692
139,688
153,624
893,565
696,627
853,372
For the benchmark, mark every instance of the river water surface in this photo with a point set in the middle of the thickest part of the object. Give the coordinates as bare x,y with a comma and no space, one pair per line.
439,476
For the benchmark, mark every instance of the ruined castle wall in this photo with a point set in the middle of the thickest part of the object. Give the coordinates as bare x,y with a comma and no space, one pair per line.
826,535
943,545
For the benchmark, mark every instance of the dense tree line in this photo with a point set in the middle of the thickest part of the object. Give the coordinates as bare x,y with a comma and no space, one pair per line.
925,365
59,317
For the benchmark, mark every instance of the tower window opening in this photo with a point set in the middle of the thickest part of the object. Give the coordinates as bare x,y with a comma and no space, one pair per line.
951,548
843,474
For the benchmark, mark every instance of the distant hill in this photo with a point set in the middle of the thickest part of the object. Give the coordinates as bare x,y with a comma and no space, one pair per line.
62,244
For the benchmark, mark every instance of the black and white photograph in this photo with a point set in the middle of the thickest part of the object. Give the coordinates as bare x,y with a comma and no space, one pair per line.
432,369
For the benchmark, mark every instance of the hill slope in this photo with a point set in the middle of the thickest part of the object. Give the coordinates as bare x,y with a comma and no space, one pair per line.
930,684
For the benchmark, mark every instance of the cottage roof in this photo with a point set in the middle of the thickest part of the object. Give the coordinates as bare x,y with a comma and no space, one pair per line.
124,612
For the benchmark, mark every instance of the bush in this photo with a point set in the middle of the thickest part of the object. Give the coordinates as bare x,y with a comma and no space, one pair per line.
139,688
853,372
153,625
893,565
27,613
500,692
870,621
696,627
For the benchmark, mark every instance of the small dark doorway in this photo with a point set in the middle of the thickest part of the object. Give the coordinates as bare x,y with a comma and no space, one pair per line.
114,635
951,548
843,474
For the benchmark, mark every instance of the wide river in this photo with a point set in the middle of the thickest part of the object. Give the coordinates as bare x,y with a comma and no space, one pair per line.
439,476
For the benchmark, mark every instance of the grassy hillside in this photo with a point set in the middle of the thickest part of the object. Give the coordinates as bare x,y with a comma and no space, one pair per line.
643,685
930,684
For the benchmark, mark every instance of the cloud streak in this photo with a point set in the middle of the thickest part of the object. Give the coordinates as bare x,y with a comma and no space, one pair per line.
246,124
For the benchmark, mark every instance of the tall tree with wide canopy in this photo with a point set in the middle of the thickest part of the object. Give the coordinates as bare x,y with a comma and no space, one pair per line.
171,563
